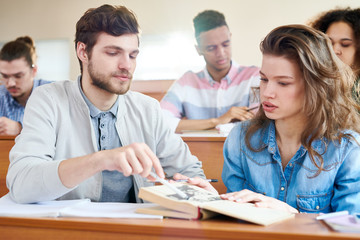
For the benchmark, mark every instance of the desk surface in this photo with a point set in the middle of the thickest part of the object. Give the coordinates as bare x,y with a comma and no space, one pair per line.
301,227
7,137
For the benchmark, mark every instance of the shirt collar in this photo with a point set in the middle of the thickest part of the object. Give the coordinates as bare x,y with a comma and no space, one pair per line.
11,99
94,111
36,83
228,77
270,140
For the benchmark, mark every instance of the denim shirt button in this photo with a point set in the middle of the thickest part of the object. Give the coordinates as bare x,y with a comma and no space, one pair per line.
290,164
282,188
317,207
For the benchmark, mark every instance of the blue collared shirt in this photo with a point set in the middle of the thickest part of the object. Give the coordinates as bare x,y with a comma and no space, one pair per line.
336,189
9,107
115,186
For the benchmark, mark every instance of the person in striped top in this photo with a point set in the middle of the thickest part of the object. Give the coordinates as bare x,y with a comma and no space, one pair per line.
222,92
17,71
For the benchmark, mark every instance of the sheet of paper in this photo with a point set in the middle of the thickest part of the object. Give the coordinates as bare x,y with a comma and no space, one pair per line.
346,223
202,133
9,208
107,210
72,208
225,128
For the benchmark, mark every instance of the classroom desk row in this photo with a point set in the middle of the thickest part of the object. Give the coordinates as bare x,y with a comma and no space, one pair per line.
207,149
301,227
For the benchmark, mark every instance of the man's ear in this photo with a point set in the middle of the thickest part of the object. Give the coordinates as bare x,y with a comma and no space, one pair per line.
34,70
81,52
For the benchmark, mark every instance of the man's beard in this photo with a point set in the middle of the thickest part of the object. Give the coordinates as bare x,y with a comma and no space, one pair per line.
104,82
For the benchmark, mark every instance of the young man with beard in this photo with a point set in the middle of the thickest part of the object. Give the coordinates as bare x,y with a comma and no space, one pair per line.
93,138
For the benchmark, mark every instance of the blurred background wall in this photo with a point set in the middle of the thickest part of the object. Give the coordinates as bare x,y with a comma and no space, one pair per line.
48,21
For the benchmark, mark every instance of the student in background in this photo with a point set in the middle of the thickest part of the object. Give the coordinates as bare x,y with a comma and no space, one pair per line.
301,152
17,71
220,93
92,138
343,28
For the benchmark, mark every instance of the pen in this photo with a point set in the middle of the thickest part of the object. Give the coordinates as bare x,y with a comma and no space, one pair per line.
169,185
185,180
252,108
330,215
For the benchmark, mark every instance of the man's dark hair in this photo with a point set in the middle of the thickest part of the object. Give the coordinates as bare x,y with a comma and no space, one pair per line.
113,20
22,47
207,20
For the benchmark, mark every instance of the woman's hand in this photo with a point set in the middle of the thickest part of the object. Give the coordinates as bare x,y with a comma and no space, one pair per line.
247,196
197,181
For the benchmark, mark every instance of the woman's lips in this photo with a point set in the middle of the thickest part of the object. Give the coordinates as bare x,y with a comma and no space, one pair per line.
268,106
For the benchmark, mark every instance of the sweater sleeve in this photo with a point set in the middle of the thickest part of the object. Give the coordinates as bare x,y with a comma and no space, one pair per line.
172,151
33,174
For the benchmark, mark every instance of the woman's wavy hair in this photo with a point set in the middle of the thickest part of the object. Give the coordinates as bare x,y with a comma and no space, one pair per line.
328,105
347,15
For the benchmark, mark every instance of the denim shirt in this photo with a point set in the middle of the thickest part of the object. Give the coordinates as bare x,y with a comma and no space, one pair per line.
335,189
9,107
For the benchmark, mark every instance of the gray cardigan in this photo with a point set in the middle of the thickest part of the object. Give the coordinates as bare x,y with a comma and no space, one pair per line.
57,126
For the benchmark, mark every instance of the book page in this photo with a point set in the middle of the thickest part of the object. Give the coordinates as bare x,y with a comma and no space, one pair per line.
195,194
166,197
199,198
247,212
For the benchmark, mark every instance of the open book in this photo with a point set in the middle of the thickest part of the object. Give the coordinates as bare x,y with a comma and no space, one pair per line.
203,204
